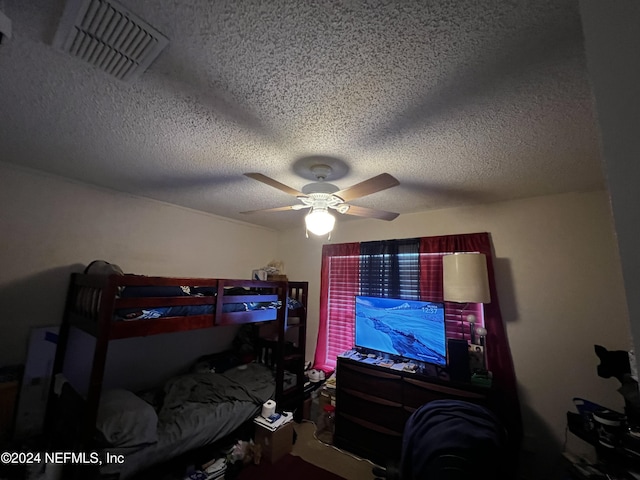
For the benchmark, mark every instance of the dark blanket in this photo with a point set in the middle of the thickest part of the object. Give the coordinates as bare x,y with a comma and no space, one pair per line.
252,384
454,427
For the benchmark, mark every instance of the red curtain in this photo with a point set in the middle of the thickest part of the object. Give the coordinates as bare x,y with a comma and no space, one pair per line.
499,358
344,281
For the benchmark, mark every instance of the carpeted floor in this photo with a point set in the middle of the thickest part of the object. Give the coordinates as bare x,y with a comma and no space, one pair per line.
289,466
328,457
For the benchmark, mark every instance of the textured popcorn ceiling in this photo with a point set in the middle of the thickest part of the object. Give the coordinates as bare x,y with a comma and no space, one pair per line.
464,102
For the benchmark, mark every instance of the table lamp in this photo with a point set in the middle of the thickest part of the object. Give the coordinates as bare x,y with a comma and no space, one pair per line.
466,280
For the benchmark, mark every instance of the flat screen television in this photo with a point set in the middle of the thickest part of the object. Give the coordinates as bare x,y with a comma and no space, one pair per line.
407,328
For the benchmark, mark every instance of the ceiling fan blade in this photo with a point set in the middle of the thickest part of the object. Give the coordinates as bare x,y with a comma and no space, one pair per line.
276,209
370,213
373,185
275,184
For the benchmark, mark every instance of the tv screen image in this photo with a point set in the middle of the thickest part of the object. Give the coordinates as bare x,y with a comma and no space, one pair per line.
408,328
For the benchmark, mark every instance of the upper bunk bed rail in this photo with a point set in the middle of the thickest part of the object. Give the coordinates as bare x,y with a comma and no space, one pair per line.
97,304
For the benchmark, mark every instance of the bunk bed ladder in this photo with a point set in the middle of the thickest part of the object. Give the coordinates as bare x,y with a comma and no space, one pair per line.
290,355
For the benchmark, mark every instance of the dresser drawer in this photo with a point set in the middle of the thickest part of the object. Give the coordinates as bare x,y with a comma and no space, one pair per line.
383,385
367,440
371,409
416,393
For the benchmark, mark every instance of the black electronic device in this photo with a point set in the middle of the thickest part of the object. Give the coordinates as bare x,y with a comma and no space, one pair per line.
458,356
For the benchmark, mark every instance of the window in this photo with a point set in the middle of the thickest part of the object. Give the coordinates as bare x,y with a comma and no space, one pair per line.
342,287
401,274
390,269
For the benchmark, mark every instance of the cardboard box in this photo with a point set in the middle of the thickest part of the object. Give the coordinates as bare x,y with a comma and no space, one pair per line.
277,278
259,275
276,444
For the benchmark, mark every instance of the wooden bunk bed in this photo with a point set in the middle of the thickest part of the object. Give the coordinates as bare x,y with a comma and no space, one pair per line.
109,307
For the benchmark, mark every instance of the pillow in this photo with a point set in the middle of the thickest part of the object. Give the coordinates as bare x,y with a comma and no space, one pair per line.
125,420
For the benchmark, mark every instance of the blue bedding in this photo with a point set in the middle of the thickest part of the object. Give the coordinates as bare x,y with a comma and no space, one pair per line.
185,310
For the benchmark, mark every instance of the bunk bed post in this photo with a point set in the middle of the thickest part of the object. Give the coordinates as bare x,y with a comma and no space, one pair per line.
281,290
58,363
288,350
99,360
298,291
219,300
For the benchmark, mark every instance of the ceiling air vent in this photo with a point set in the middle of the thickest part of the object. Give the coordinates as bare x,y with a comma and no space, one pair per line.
108,36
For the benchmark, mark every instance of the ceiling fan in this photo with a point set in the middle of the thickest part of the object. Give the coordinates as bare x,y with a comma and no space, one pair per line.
320,196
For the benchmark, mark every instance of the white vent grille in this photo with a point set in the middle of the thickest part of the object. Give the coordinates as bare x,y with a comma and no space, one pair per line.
108,36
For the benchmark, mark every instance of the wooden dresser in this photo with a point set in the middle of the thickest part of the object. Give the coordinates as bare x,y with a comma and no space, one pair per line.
373,404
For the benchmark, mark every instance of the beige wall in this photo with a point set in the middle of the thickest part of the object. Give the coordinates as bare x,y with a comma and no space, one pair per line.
51,227
611,40
560,290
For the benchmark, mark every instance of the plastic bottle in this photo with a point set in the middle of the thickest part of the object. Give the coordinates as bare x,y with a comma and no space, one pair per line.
326,424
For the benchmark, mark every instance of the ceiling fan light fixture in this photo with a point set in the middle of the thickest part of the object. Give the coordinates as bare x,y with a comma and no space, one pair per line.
321,196
319,221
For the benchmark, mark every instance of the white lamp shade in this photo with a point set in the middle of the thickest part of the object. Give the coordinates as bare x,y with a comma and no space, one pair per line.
465,278
319,222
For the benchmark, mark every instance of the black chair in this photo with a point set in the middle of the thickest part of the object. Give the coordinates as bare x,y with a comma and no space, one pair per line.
451,440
